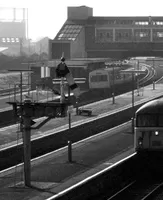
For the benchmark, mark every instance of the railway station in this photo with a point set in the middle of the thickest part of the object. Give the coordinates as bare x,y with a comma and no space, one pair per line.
87,121
58,172
89,42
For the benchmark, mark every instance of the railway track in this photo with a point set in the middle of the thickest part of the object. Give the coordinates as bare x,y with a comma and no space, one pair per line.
86,98
139,190
148,78
13,155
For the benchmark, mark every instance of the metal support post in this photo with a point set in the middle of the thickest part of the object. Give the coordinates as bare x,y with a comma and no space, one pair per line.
62,98
153,85
138,86
28,80
69,120
14,92
153,76
21,90
69,151
69,114
113,98
77,108
138,79
21,99
113,86
133,92
27,150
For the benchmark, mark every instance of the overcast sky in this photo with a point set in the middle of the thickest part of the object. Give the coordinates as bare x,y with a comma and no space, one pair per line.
47,17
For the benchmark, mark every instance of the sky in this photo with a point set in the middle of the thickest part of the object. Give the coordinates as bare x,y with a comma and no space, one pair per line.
45,18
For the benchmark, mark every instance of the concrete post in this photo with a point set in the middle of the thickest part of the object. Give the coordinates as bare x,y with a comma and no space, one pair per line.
69,151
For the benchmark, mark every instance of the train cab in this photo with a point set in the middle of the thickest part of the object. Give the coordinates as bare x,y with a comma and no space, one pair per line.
99,79
149,127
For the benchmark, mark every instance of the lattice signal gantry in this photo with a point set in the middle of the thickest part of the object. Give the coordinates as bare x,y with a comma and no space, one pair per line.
49,109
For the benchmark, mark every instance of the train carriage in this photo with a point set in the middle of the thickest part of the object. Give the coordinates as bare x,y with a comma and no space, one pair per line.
104,78
148,138
149,127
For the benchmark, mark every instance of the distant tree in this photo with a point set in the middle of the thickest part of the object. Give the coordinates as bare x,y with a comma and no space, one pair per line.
44,56
34,57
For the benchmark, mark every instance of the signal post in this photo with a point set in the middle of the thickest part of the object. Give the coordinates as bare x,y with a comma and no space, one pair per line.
30,110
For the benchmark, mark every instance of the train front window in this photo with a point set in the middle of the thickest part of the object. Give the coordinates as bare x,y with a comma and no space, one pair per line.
149,120
98,78
146,121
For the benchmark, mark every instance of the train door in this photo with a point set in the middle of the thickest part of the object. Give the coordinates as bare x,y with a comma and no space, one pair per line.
142,140
146,139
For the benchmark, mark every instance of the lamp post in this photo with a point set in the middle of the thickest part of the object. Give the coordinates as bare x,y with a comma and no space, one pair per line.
29,51
113,86
138,78
133,90
154,74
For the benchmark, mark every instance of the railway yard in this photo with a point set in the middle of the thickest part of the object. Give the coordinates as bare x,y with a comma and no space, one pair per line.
102,147
84,159
81,112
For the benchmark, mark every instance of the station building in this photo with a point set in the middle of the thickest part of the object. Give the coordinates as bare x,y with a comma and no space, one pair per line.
86,36
88,42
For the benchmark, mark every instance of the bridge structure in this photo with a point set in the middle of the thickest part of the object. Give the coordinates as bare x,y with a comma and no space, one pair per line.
86,36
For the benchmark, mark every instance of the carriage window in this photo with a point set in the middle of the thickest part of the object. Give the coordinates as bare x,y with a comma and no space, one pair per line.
97,78
147,120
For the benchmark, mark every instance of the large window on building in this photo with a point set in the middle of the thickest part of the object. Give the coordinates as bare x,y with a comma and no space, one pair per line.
141,23
143,35
104,35
157,35
69,32
9,40
123,35
159,23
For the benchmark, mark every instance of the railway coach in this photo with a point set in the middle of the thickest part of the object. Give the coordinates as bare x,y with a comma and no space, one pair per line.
149,127
104,78
148,135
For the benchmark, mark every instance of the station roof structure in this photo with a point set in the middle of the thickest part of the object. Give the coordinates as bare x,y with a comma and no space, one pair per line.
86,36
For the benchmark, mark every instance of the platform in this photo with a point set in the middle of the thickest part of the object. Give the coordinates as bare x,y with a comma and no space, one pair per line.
54,173
10,135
